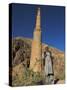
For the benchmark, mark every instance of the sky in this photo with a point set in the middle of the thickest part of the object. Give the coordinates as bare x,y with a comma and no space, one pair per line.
52,23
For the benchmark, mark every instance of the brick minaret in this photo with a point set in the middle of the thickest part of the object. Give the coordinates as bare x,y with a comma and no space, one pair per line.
36,57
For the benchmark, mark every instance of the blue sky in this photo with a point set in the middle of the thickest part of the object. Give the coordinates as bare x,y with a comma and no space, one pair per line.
52,23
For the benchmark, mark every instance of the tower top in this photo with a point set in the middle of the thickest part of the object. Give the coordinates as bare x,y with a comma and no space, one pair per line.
38,11
38,19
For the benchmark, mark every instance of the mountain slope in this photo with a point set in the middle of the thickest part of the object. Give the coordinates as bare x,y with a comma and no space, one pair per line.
21,51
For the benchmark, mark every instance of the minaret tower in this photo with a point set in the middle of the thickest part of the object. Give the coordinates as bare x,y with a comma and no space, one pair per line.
36,57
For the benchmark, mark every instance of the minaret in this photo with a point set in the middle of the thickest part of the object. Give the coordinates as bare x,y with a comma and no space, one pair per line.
36,57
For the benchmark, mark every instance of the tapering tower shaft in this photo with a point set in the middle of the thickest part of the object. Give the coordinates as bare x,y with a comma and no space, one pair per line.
36,57
38,20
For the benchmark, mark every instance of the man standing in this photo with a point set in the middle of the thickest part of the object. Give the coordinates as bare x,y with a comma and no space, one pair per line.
48,67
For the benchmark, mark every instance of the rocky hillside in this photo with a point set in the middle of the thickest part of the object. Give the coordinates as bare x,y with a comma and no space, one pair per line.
21,51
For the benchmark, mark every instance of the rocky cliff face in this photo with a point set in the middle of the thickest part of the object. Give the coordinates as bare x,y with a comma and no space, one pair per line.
21,50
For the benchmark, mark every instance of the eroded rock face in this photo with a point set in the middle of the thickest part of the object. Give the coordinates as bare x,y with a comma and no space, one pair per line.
58,62
21,51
